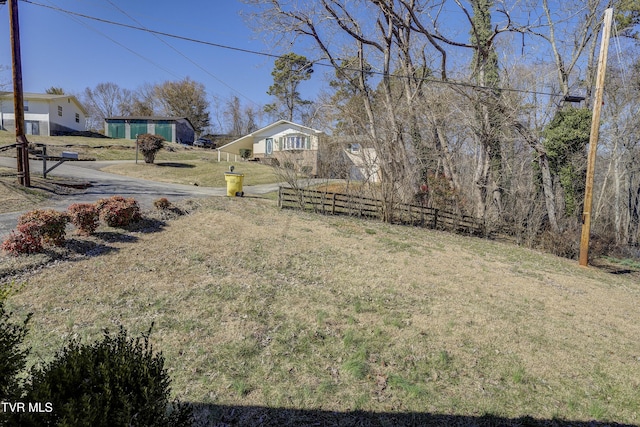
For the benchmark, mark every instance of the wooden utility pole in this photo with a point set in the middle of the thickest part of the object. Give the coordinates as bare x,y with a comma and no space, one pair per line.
593,138
18,102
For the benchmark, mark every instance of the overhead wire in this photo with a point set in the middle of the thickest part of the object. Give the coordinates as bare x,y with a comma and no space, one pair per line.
271,55
149,60
219,80
618,48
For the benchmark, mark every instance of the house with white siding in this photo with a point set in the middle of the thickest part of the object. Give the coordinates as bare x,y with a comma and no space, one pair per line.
44,114
284,141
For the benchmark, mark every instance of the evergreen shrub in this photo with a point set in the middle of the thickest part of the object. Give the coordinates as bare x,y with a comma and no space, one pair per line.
12,356
117,381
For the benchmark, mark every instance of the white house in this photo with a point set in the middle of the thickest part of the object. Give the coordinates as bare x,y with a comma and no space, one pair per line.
44,114
364,163
284,141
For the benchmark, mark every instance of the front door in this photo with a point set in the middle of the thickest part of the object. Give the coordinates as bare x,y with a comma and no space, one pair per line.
31,127
269,146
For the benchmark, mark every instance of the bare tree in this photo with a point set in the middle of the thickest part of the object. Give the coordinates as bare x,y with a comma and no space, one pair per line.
105,100
234,117
144,101
438,101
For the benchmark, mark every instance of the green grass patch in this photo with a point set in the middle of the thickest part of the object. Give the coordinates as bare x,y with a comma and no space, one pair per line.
627,262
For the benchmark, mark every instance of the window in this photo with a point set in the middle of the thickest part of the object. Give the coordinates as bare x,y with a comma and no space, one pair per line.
26,105
60,110
77,118
296,142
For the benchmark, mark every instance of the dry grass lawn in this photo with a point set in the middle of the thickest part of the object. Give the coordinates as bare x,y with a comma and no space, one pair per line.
206,173
256,307
106,148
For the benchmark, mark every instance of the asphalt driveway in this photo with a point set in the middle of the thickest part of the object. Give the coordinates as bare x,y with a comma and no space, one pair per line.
103,184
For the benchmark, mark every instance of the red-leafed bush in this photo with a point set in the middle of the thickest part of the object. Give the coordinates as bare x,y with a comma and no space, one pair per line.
149,146
85,217
22,243
116,211
47,224
162,204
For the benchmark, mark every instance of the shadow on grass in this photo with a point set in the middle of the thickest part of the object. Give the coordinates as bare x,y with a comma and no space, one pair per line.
223,416
175,165
146,225
87,248
623,271
115,237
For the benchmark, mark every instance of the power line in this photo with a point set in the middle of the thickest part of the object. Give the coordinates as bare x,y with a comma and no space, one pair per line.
113,41
161,33
182,54
271,55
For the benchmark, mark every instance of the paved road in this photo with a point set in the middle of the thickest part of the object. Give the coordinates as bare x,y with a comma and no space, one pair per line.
105,184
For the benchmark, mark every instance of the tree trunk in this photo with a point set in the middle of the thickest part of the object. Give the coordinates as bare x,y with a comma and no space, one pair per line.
547,188
634,211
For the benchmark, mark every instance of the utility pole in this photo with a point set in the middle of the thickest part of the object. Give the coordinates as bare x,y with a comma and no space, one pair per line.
18,102
593,138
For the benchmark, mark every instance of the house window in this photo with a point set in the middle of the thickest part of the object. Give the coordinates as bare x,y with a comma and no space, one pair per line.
60,110
26,105
77,118
296,142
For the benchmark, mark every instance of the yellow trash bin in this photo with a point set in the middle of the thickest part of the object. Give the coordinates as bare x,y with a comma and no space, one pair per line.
234,184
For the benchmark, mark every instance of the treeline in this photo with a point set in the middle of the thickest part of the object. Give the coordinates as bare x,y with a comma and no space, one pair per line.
183,98
481,107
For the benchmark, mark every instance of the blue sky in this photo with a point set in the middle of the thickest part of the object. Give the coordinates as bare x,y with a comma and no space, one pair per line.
74,53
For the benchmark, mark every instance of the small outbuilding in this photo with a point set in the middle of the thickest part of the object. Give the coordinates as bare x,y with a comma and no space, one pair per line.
172,129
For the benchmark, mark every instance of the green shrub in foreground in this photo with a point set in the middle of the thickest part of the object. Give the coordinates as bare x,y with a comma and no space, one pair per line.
117,381
12,356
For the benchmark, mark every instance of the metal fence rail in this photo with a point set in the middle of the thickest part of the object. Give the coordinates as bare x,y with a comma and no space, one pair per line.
6,147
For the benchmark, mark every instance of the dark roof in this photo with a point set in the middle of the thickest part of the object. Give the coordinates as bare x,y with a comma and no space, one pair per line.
150,118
